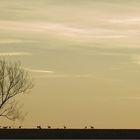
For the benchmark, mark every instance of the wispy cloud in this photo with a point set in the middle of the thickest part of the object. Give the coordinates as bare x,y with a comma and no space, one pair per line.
37,26
9,41
128,20
14,53
135,59
40,71
131,98
76,76
52,76
62,29
57,75
65,76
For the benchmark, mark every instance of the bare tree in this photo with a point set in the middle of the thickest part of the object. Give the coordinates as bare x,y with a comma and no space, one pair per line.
14,80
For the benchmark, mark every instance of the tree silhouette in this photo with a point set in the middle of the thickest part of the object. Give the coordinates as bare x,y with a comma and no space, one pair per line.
14,80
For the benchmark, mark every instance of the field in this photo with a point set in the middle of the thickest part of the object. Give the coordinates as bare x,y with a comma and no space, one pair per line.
70,133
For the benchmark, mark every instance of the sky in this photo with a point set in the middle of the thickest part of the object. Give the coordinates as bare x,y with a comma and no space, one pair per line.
83,56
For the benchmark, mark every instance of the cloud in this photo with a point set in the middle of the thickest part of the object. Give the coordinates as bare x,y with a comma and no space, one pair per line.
61,29
65,76
52,76
77,76
37,26
40,71
131,98
9,41
128,20
135,59
14,53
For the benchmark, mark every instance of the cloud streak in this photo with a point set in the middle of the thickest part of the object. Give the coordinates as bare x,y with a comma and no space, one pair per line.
131,98
62,29
40,71
135,59
65,76
14,53
128,20
9,41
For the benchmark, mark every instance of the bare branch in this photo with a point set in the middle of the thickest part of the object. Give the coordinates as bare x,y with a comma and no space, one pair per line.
14,80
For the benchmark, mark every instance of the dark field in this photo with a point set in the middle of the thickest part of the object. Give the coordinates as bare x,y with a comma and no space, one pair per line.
69,133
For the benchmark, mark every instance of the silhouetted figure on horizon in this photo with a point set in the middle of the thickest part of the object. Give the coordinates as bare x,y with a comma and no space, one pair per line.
39,127
91,127
20,127
64,127
85,127
5,127
49,126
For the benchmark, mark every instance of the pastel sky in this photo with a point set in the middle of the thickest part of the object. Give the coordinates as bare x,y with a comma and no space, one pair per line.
84,57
